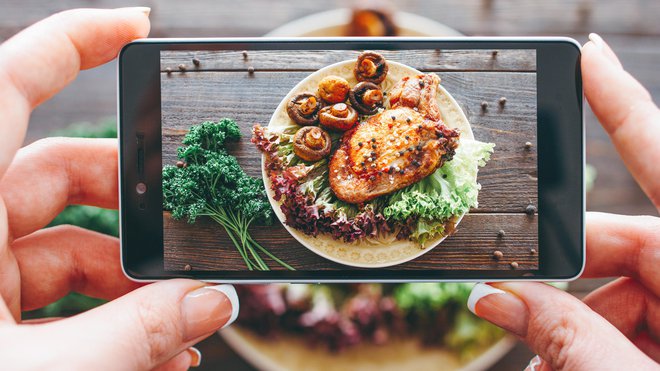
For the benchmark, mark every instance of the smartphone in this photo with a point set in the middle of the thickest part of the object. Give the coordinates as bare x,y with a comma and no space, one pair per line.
351,159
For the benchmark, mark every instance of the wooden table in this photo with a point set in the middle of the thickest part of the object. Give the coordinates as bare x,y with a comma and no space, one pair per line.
221,86
630,27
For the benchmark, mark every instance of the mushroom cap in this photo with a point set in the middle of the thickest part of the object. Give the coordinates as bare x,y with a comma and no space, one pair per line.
371,67
311,143
294,109
338,117
356,97
334,89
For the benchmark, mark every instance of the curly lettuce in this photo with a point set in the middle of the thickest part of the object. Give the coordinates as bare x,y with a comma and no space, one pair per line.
450,191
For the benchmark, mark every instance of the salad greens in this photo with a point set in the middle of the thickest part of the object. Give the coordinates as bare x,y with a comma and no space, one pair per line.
208,181
450,191
419,212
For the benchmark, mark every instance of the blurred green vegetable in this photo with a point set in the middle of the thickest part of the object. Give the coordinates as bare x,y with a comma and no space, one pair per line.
89,217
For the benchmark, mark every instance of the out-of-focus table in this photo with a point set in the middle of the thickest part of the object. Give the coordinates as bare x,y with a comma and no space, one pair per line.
630,27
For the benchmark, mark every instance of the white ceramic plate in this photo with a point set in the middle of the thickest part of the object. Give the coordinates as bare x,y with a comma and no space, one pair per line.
287,352
367,253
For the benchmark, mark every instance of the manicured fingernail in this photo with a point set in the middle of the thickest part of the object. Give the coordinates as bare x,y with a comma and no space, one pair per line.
195,357
499,307
208,309
144,9
597,40
534,364
605,49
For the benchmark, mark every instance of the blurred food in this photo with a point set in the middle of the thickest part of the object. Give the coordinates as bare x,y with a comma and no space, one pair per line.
340,317
372,18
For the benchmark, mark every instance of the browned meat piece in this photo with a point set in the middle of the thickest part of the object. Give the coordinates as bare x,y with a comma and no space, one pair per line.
395,148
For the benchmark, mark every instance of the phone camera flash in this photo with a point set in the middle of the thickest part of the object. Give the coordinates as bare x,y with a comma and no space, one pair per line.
141,188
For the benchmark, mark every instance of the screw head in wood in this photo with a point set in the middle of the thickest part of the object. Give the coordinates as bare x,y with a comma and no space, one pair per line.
187,267
182,67
195,61
497,254
251,70
514,265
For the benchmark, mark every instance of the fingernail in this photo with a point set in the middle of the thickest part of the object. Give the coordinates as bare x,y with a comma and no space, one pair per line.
605,49
499,307
209,308
144,9
534,364
597,40
195,357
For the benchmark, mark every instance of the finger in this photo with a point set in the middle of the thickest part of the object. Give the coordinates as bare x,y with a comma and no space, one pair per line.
180,362
57,260
149,326
191,357
5,314
619,245
629,306
52,173
648,345
561,329
42,59
627,112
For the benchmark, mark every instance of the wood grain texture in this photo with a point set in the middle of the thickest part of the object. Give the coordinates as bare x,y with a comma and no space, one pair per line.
205,246
509,180
424,60
211,18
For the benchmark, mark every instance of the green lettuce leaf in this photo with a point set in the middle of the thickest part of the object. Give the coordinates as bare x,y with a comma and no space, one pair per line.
450,191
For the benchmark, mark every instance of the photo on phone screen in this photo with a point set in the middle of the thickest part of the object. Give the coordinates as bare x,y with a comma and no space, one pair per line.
349,160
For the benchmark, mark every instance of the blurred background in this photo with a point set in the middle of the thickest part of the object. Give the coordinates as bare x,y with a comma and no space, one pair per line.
88,106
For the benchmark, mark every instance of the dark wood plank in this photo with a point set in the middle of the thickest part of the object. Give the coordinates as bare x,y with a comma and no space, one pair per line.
311,60
205,246
509,179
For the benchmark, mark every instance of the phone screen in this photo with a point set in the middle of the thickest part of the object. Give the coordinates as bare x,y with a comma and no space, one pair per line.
350,160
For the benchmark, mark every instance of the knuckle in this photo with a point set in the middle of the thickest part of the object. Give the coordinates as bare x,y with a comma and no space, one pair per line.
159,330
557,337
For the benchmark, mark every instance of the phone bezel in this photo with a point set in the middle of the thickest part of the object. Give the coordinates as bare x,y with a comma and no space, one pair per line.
559,105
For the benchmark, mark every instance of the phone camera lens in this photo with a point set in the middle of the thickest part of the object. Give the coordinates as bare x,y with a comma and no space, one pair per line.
141,188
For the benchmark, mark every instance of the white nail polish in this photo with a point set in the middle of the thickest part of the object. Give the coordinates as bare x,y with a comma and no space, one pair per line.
533,364
597,40
479,291
197,358
230,293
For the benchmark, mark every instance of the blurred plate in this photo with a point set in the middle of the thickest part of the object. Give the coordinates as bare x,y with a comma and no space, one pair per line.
334,23
293,353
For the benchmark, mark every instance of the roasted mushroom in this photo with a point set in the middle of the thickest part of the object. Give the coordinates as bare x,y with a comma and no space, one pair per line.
371,67
366,98
334,89
338,117
311,143
304,109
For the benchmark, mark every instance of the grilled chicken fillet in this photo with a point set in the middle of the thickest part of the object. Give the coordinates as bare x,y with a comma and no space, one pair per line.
395,148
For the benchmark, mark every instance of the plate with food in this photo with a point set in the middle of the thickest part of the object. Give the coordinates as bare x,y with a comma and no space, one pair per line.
369,162
363,327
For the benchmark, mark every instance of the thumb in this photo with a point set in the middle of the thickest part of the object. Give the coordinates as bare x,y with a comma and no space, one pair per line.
561,329
146,327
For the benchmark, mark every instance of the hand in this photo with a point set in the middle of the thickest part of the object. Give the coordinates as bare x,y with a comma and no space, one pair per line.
147,327
617,327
